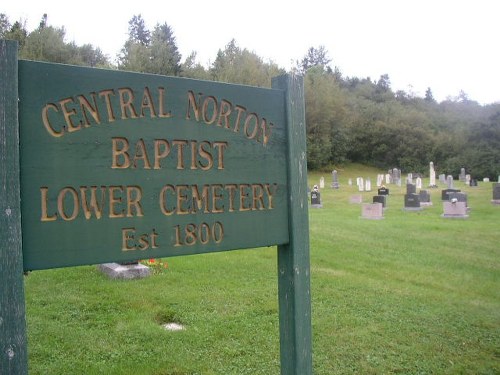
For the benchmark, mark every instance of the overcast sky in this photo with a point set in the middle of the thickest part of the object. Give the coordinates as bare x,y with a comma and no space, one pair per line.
447,45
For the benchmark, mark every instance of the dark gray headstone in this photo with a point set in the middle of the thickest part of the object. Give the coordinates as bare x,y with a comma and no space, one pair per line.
473,182
316,199
383,191
424,196
496,191
411,189
380,199
412,202
446,192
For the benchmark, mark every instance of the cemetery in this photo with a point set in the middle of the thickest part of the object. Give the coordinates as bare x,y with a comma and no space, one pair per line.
375,283
412,293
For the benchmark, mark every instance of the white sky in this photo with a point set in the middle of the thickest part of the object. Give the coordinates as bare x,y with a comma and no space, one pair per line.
448,45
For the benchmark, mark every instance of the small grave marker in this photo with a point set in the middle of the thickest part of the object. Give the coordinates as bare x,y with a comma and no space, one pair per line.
372,211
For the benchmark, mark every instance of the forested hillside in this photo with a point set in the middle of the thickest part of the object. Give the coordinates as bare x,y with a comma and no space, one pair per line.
358,119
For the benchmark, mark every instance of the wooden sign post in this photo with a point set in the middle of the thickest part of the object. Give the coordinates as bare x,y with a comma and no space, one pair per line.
119,166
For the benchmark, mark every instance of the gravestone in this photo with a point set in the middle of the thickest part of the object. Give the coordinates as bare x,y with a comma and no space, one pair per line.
432,176
461,176
368,184
361,184
454,210
467,179
335,180
412,202
322,183
409,178
442,178
498,178
372,211
380,199
388,179
449,181
396,176
425,198
486,179
358,198
380,180
473,182
316,198
418,183
349,182
411,189
496,193
445,194
383,191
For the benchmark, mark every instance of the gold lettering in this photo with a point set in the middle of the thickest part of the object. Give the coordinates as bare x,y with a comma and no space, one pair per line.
68,112
270,193
206,155
160,154
216,198
114,201
231,188
221,146
240,110
180,152
95,206
106,95
257,197
224,112
46,122
163,200
85,107
127,235
204,110
161,95
134,196
141,154
117,151
43,199
244,197
60,203
181,198
126,103
200,202
251,116
193,105
147,103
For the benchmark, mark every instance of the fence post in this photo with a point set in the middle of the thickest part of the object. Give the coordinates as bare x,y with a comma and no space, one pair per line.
13,342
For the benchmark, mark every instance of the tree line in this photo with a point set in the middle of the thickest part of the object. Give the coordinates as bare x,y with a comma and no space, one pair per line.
349,119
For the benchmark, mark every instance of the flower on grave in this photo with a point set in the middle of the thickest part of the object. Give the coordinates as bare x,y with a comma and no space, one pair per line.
157,266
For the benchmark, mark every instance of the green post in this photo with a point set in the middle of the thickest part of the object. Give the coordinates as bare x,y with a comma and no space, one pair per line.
293,259
13,343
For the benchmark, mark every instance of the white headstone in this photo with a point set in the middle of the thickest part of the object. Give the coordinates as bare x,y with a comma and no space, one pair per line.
368,185
432,175
361,184
388,178
418,182
322,183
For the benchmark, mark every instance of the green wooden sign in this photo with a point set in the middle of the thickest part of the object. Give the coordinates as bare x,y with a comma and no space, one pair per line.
106,166
119,166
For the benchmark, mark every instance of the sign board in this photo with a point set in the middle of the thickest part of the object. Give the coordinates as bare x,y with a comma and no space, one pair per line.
101,165
119,166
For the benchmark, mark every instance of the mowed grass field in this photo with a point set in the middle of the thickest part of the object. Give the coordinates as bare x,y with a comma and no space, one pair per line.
413,293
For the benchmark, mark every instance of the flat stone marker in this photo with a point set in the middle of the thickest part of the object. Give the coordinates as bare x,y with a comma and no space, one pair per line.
372,211
358,198
425,198
128,272
454,210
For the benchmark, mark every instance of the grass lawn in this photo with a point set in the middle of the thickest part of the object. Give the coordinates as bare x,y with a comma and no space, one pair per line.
413,293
